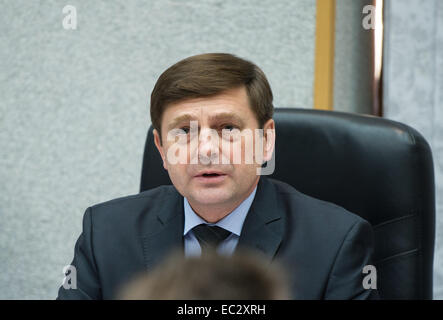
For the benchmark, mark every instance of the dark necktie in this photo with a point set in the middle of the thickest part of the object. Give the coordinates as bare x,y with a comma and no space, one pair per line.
209,237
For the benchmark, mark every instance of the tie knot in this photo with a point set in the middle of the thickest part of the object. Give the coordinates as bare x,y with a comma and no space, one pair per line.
210,237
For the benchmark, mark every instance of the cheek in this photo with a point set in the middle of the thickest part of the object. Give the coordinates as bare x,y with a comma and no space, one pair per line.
240,151
248,150
233,151
179,179
176,154
178,173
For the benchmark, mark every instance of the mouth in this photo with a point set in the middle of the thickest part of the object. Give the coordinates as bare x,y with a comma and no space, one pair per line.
210,176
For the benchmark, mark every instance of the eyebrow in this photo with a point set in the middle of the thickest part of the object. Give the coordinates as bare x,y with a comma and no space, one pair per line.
183,118
225,116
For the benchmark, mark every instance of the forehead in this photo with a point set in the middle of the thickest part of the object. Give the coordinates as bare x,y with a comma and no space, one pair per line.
233,101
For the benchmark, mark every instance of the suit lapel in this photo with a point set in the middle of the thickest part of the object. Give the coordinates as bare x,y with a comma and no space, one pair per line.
165,234
263,228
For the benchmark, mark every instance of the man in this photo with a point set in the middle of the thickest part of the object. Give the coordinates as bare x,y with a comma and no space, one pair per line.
206,110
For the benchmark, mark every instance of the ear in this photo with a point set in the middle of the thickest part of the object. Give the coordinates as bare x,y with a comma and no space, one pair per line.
268,139
158,145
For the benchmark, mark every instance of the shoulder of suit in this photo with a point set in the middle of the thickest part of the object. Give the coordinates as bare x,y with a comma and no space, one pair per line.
148,199
312,206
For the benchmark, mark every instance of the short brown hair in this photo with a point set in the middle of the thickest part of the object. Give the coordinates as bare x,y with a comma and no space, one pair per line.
245,275
210,74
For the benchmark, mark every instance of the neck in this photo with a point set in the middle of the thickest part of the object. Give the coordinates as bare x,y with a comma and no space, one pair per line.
213,213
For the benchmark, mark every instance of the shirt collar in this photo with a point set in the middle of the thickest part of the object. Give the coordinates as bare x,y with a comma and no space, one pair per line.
233,222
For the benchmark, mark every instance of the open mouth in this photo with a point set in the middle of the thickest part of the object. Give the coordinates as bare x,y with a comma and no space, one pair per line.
211,177
211,174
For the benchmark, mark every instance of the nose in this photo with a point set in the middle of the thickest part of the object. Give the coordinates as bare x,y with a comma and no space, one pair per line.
208,146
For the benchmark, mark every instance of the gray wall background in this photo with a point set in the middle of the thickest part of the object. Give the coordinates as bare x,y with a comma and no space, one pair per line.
352,59
74,108
413,87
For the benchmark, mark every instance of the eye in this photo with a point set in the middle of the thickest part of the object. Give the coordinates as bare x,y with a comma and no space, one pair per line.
185,129
229,127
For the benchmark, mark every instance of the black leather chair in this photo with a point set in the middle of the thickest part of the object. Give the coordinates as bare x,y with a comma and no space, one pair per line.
379,169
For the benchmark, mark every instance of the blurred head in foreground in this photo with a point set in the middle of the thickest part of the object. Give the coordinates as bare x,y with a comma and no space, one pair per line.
242,276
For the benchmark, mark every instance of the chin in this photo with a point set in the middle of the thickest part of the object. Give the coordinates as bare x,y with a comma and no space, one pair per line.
211,196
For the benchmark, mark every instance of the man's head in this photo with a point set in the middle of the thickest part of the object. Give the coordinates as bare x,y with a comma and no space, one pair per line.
209,74
193,104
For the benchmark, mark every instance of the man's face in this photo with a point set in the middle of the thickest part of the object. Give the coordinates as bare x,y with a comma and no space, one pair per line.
203,164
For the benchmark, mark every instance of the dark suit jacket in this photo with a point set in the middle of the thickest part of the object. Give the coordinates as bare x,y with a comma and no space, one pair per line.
323,246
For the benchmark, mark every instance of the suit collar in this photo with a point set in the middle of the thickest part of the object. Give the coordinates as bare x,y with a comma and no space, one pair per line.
165,232
264,226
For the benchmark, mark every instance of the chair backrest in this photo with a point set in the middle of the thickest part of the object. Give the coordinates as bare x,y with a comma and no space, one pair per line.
381,170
